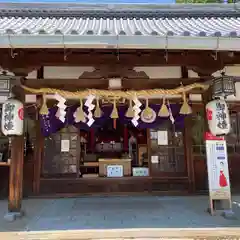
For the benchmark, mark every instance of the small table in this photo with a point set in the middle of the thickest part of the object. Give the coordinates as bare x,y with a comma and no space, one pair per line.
89,165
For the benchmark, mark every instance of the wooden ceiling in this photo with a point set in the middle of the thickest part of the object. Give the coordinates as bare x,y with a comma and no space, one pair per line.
114,63
23,61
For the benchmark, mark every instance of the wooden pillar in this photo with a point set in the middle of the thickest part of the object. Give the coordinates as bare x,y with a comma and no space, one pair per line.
188,143
92,139
16,164
125,138
17,156
38,147
16,174
38,150
189,153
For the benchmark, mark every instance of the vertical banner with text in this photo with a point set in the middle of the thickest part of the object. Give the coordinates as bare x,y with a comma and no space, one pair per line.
217,165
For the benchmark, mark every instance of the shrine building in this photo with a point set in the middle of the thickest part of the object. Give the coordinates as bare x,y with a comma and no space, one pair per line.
113,97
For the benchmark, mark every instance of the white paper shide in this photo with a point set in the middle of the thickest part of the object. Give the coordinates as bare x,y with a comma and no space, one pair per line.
89,104
137,111
61,112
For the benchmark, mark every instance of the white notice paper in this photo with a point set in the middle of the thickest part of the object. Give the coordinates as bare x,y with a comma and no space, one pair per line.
153,135
65,145
154,159
162,137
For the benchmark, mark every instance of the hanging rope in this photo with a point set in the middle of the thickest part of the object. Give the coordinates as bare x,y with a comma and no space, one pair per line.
116,93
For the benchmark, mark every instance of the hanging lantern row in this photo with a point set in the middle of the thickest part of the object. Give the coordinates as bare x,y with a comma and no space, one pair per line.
147,115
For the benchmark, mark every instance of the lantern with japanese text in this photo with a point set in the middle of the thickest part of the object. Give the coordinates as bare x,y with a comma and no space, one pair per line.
12,118
218,117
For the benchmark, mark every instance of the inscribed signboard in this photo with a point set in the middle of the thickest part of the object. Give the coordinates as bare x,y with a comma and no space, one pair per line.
114,171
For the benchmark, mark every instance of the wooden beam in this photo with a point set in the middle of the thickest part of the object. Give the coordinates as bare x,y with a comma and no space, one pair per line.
40,73
16,174
184,72
137,84
37,58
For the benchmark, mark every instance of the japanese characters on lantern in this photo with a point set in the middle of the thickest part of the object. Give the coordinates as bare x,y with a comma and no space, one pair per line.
218,117
12,117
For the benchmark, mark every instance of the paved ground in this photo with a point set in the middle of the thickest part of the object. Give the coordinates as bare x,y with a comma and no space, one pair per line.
102,213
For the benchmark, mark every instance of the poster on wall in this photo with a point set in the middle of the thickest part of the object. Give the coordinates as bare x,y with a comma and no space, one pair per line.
65,146
217,165
154,159
162,137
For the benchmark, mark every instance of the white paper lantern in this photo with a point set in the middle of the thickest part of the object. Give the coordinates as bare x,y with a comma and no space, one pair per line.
218,117
12,118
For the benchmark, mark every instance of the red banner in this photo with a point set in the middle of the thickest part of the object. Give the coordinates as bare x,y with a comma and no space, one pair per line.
209,136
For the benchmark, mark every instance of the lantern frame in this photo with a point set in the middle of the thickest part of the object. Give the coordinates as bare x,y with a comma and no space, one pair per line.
223,86
5,84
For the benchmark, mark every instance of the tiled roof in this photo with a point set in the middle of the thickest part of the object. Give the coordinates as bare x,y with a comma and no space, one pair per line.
72,10
226,27
136,27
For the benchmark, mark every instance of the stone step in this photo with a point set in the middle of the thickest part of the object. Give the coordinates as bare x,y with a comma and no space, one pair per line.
127,234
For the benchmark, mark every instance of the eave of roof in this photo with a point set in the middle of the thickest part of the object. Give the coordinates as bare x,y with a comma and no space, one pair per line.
202,27
59,10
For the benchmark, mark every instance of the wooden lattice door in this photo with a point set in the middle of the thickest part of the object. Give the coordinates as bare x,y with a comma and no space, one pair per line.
168,159
58,163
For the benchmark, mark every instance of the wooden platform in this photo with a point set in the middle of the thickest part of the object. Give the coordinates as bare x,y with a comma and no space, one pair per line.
112,185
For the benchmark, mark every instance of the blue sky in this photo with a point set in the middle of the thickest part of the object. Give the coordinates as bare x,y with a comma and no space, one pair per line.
94,1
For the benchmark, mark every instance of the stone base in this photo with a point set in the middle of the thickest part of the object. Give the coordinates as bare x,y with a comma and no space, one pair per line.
229,214
12,216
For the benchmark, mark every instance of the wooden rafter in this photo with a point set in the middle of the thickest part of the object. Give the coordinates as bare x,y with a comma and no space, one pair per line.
37,58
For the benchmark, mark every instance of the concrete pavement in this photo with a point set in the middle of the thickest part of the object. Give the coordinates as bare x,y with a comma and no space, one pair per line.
141,217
